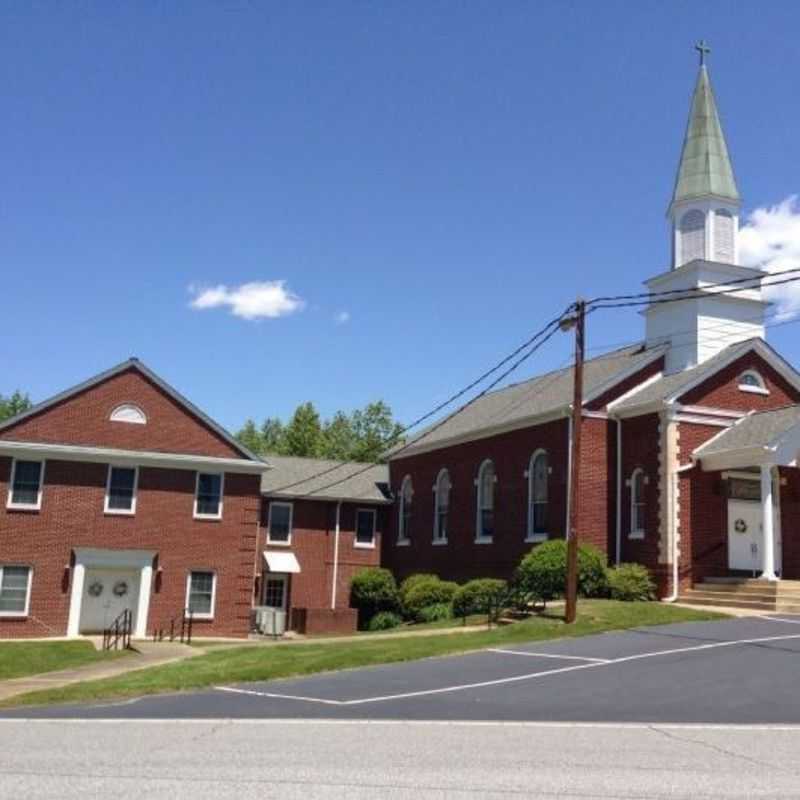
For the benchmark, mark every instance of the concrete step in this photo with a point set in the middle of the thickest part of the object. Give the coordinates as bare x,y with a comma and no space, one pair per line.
723,600
733,597
764,589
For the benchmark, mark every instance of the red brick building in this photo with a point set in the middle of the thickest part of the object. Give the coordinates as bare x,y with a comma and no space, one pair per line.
691,438
119,493
321,522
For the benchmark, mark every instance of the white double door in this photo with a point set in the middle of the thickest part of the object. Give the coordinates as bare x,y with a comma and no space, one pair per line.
106,594
746,537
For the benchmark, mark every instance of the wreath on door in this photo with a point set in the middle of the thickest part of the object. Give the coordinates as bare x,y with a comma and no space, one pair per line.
740,526
120,588
95,589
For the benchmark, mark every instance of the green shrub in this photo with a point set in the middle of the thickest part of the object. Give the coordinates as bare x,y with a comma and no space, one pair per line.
476,596
412,580
373,590
630,582
543,571
428,593
435,613
384,621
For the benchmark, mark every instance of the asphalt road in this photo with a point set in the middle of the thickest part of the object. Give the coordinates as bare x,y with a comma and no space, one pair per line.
237,759
744,671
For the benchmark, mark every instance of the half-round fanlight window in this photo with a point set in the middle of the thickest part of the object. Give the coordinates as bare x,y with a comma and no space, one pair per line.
130,413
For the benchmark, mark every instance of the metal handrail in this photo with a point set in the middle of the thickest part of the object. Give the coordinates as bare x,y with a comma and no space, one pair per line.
186,619
119,630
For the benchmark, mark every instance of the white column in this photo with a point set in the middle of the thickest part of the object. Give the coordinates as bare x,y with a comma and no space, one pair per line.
143,604
78,572
768,526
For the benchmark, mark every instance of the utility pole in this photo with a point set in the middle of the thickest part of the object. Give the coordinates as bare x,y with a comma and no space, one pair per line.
579,323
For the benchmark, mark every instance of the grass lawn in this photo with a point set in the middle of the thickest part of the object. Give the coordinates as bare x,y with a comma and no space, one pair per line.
249,663
18,659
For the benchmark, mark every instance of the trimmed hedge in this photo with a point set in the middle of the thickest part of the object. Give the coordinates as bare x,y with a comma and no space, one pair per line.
435,613
373,590
542,572
630,582
412,580
476,596
429,592
384,621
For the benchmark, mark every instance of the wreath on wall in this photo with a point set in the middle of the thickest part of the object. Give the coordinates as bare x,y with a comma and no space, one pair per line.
740,526
120,588
95,589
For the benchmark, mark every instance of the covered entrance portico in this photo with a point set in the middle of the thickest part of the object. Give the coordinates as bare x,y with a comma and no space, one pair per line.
750,456
104,584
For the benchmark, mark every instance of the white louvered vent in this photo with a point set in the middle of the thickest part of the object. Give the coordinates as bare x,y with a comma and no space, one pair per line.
723,236
692,236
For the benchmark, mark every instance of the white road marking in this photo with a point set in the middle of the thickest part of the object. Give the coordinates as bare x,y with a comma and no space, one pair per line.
546,655
515,678
780,619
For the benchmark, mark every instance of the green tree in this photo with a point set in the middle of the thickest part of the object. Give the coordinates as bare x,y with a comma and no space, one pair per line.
304,432
338,438
13,405
250,437
375,431
273,436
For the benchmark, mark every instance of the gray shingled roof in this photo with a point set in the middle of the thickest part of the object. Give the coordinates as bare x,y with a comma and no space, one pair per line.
764,428
534,397
670,385
293,476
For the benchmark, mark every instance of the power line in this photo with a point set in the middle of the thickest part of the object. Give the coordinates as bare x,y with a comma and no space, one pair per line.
530,342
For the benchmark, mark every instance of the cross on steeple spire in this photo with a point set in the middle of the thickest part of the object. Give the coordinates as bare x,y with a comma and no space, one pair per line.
703,49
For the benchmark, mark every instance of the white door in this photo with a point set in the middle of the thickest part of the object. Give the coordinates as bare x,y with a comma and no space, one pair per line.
745,535
275,590
106,594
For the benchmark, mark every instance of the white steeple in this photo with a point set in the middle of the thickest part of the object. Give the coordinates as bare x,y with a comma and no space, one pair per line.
704,215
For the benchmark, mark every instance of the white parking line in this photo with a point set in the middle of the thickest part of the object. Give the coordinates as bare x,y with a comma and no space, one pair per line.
546,655
780,619
513,679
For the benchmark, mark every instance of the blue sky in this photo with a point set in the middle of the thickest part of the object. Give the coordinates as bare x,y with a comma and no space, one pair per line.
444,175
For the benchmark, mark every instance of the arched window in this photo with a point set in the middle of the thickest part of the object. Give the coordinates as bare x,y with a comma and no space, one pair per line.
692,236
404,512
538,495
724,236
442,506
751,381
637,503
128,412
487,477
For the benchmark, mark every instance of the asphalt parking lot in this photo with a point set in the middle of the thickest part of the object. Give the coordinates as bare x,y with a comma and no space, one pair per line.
744,671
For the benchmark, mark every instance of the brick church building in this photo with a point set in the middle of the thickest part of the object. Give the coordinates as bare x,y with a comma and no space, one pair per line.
690,438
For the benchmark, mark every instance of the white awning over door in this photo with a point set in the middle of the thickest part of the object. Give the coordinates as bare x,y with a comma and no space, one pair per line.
281,562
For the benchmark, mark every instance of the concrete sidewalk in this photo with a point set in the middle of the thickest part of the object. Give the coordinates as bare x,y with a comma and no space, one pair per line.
145,654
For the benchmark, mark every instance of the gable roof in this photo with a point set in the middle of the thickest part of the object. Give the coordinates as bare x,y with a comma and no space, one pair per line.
517,405
670,387
293,476
136,364
759,429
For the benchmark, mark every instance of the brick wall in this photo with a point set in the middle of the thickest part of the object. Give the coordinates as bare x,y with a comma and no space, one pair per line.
83,419
72,516
461,558
312,542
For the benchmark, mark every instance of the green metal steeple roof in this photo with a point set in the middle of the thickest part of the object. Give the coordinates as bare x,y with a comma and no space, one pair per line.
705,167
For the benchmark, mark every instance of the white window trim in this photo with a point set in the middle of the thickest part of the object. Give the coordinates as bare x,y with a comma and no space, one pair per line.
125,512
403,539
129,414
437,539
26,506
540,536
26,610
218,515
280,542
479,538
365,545
197,614
635,533
746,387
275,576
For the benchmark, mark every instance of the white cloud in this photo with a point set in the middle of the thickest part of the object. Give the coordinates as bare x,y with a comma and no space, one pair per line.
254,300
771,240
342,317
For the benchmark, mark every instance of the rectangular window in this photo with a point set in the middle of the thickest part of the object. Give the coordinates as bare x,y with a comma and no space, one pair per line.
15,590
25,490
275,592
279,524
365,527
200,593
208,495
121,490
